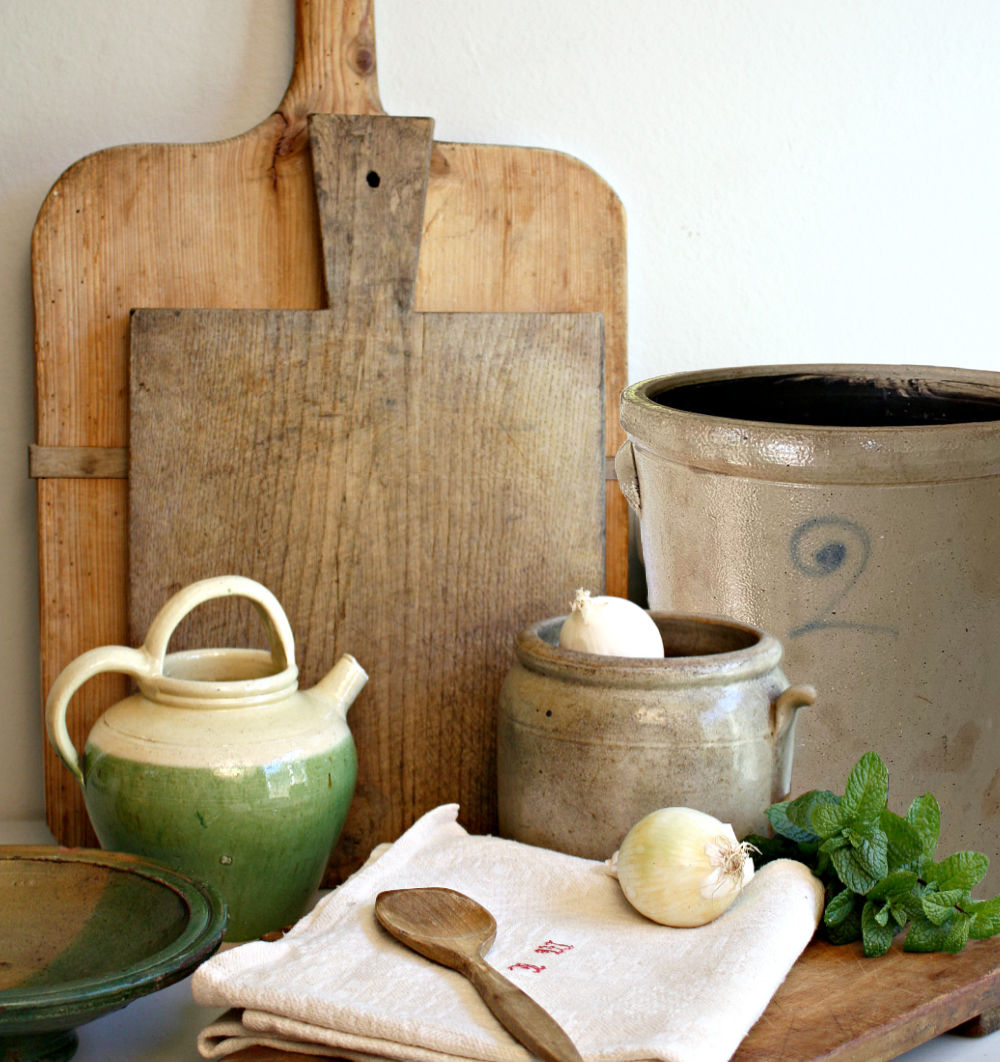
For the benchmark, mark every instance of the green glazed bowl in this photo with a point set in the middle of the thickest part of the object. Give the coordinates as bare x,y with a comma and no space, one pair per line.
84,932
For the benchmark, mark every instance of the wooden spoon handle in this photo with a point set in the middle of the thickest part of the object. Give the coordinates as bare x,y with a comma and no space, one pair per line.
521,1016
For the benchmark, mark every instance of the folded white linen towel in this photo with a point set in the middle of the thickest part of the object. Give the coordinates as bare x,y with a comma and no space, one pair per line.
622,987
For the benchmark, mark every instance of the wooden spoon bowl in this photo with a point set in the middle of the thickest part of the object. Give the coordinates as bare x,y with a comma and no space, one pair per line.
454,930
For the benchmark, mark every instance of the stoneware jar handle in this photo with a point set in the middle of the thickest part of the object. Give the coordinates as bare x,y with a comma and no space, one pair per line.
184,601
117,658
628,477
786,704
783,709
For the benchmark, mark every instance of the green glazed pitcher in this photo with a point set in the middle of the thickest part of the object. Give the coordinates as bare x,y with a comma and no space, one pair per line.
220,765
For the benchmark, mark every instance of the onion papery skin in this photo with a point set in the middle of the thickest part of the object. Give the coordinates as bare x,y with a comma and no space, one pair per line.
681,867
610,626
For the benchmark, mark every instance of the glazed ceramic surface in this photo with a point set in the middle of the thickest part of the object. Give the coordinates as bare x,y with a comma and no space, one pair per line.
83,933
220,765
588,745
853,511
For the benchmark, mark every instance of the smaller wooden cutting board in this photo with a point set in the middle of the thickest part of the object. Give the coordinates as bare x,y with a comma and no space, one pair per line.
414,487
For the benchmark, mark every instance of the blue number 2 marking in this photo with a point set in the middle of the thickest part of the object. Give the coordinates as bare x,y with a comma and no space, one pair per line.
838,549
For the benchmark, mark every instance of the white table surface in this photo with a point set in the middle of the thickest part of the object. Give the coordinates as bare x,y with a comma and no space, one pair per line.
163,1027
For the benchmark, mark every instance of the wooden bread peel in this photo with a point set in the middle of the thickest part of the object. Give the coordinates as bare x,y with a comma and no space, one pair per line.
234,224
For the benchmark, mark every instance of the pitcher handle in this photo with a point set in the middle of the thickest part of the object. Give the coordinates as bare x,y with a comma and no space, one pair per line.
135,662
184,601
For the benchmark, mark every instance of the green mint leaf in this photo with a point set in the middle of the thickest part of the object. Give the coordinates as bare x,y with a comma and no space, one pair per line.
839,908
882,915
875,935
867,788
870,847
831,844
951,936
895,886
777,815
827,820
924,815
905,843
800,811
984,918
824,869
940,906
848,929
923,935
963,870
911,903
959,935
899,915
851,871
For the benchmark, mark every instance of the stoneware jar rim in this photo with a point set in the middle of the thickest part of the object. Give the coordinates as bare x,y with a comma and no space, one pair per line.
538,650
822,452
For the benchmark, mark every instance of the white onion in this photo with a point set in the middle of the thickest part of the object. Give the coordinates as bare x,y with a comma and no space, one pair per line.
610,626
682,867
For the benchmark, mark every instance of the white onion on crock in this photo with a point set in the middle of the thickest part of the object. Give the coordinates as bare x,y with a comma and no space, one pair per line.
610,626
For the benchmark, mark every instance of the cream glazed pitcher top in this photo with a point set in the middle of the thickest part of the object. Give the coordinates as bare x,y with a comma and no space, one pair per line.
254,693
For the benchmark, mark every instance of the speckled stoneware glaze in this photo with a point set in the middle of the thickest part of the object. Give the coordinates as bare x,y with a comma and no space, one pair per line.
853,510
589,744
219,765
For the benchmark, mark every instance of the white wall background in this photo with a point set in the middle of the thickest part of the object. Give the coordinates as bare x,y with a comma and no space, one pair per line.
805,180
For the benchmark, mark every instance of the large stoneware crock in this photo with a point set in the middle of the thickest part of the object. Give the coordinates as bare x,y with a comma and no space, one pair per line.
219,765
854,511
588,744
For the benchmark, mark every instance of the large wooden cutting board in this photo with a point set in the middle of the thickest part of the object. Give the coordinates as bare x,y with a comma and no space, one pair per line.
233,224
414,487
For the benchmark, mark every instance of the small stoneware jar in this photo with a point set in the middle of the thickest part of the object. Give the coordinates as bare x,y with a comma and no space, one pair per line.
588,745
219,766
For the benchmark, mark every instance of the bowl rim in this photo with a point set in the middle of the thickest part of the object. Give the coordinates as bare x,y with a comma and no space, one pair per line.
80,1000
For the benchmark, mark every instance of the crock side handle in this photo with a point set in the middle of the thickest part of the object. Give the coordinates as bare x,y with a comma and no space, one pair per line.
628,477
118,658
783,710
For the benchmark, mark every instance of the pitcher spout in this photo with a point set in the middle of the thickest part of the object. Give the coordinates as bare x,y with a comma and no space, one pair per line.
342,684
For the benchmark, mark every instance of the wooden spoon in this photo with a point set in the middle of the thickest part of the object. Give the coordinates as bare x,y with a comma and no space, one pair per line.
452,929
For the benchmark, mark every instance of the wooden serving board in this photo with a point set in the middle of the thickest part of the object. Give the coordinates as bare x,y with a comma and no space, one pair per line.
414,487
837,1006
234,224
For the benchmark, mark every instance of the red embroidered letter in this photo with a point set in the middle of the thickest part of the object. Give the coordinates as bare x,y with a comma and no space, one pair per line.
526,966
550,947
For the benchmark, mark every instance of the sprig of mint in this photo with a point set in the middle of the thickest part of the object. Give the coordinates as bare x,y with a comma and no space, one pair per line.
878,868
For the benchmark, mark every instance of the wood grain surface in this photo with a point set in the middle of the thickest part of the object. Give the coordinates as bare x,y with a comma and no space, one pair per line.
233,224
414,487
451,928
837,1006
